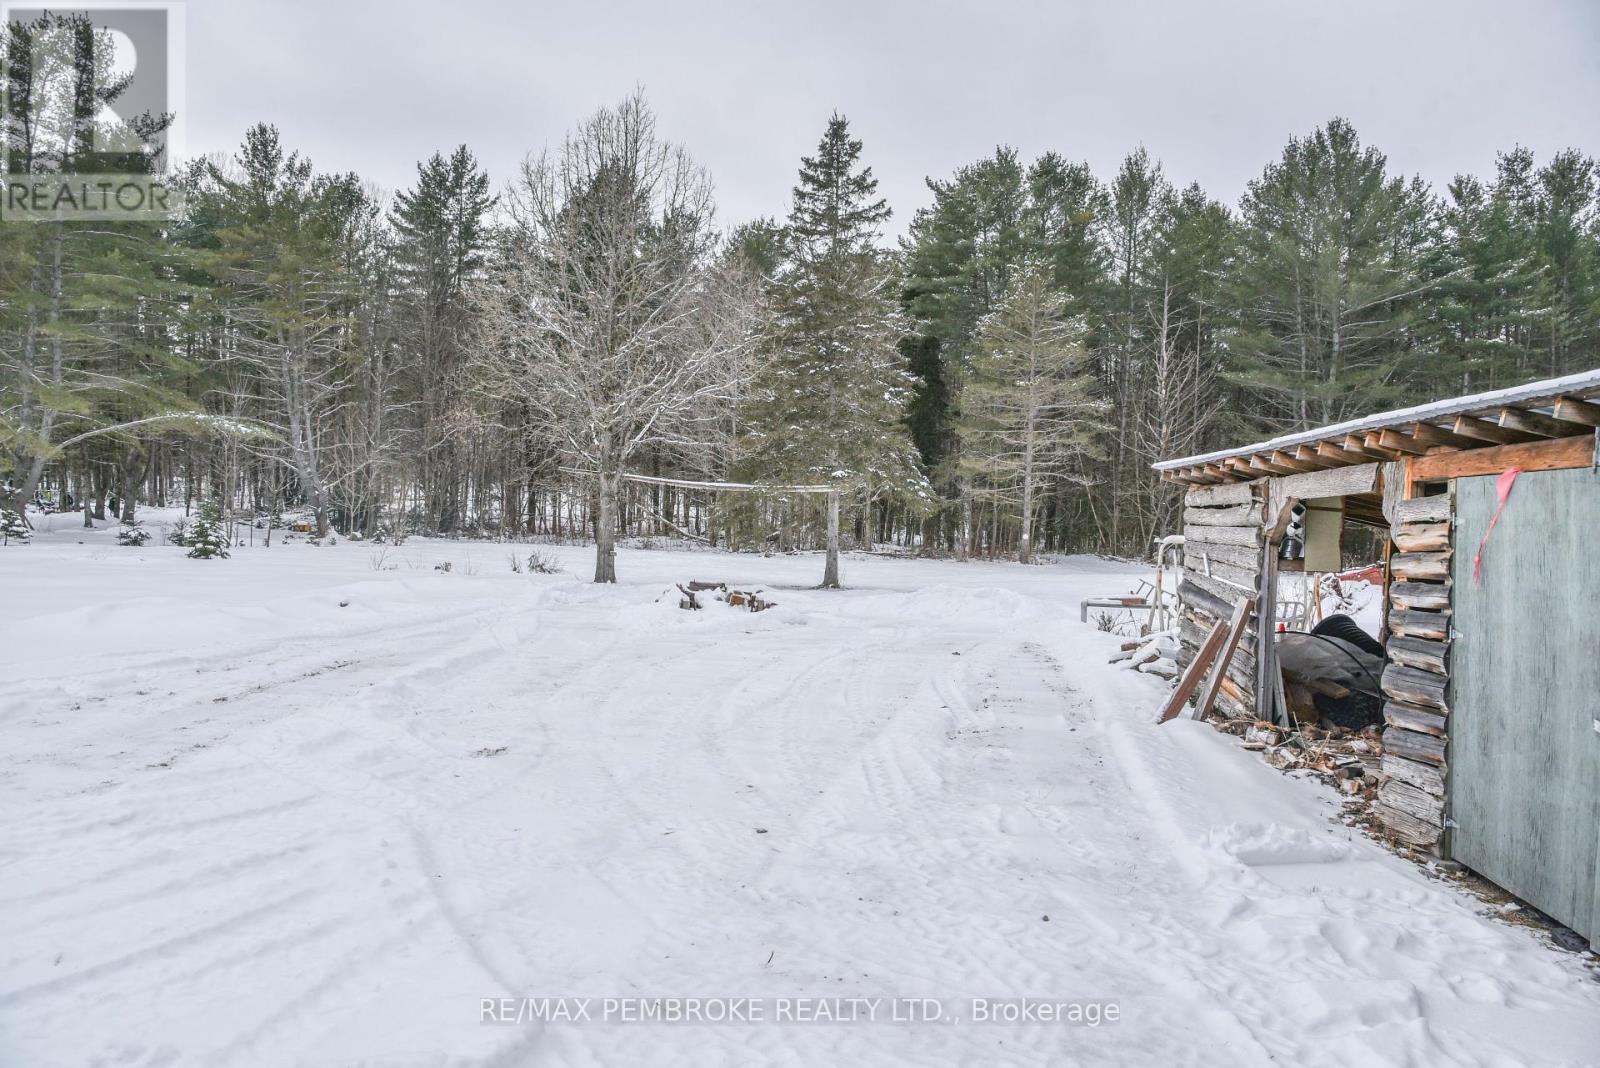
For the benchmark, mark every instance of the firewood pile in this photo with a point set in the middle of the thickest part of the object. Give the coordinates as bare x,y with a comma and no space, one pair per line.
695,594
1156,655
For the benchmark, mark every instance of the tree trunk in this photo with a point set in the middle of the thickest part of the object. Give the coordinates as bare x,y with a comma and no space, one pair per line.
830,571
605,548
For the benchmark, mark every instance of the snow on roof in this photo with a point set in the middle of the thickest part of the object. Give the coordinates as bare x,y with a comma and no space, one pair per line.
1528,397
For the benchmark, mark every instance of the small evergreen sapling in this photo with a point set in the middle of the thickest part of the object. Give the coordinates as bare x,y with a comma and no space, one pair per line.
13,527
205,538
133,534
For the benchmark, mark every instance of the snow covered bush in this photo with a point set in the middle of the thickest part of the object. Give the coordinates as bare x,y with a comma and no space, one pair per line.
177,533
132,534
205,538
543,563
13,527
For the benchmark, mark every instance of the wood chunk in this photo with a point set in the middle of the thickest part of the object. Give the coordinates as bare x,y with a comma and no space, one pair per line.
1413,595
1217,496
1422,537
1237,515
1414,746
1425,777
1431,625
1420,688
1408,828
1412,718
1196,547
1193,590
1233,535
1422,653
1334,482
1410,567
1423,509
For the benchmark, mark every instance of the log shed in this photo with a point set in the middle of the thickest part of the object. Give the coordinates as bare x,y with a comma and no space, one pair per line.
1470,769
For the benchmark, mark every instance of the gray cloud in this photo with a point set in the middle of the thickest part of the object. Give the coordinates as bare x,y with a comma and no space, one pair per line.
1212,89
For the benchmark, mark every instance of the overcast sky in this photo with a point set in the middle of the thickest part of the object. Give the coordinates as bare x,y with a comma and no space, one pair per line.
1212,89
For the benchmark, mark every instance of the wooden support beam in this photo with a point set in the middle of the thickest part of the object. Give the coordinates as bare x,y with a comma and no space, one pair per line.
1329,450
1314,460
1542,425
1394,439
1357,443
1292,462
1431,435
1555,454
1372,441
1264,464
1573,410
1482,430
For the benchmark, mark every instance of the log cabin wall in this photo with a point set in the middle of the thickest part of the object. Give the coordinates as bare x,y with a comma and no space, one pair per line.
1416,710
1222,527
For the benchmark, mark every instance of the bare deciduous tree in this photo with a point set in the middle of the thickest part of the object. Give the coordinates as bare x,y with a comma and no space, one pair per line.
603,319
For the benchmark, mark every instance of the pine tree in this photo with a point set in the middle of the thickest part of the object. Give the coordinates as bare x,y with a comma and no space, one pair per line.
1028,411
13,527
205,538
832,402
441,233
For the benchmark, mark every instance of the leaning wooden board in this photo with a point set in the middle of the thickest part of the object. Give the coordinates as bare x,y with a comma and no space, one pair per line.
1208,697
1195,672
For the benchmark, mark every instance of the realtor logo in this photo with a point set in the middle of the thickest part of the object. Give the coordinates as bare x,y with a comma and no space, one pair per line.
93,109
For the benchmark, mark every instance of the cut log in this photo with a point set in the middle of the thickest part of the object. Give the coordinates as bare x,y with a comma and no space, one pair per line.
1428,567
1423,509
1197,548
1410,686
1412,718
1414,746
1423,653
1230,535
1410,814
1207,566
1334,482
1422,537
1193,674
1414,595
1234,515
1217,496
1432,625
1425,777
1196,590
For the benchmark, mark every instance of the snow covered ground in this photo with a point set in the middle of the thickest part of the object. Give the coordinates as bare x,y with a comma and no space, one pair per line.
314,805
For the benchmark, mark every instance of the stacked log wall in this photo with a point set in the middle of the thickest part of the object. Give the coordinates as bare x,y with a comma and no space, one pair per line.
1416,710
1221,567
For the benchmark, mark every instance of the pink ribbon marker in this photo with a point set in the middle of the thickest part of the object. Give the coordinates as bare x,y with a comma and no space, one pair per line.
1502,490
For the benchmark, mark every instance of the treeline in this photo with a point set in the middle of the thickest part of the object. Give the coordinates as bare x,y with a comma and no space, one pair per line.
466,359
1335,288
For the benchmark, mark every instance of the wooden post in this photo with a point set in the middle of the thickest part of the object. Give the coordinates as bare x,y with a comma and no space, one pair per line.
1241,613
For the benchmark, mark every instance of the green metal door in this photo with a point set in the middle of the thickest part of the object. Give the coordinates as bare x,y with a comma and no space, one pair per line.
1524,750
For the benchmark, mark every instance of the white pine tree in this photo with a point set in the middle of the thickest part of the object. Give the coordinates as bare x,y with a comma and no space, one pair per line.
1027,408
